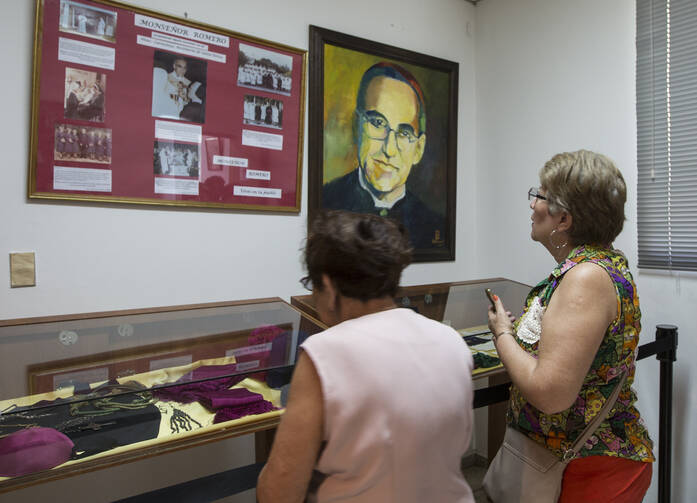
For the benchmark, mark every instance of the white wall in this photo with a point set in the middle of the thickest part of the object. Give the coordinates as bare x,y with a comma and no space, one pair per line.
102,257
99,257
557,75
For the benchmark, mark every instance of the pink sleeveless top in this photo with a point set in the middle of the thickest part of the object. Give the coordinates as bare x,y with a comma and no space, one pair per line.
397,391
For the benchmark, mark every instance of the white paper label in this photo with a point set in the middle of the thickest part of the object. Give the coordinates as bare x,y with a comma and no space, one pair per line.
240,190
151,23
176,131
85,53
248,350
247,365
176,186
262,140
87,179
255,174
181,48
230,161
175,40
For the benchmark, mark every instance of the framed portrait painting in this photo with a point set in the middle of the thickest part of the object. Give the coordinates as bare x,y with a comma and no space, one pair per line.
383,130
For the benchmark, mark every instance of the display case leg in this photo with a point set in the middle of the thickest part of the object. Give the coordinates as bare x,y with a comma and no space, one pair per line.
497,419
263,440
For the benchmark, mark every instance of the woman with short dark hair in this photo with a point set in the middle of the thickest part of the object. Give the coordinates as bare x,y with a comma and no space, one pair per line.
380,405
579,333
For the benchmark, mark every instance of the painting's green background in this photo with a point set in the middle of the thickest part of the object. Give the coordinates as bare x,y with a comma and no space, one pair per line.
343,69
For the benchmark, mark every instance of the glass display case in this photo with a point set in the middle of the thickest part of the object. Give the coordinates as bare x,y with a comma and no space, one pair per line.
462,305
80,392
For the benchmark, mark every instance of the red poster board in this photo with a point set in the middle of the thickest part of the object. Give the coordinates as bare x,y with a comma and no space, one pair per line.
134,106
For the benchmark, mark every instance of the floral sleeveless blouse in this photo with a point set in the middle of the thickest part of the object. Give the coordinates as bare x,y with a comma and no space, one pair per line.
622,433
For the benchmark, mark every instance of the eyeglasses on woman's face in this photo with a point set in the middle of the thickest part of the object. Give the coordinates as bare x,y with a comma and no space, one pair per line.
306,282
534,194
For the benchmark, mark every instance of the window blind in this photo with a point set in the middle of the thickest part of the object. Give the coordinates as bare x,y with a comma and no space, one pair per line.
666,87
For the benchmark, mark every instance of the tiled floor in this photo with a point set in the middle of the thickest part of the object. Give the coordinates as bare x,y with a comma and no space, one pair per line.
474,474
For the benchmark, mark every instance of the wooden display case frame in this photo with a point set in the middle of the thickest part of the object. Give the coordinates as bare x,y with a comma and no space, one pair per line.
263,427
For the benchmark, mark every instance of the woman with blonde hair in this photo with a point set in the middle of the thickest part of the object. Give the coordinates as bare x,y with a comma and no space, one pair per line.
578,334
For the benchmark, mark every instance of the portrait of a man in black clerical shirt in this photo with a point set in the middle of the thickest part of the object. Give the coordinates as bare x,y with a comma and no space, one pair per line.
389,126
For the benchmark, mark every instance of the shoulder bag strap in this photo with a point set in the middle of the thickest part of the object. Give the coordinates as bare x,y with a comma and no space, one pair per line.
590,429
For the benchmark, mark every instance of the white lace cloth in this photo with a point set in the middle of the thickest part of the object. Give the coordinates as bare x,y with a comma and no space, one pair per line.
530,326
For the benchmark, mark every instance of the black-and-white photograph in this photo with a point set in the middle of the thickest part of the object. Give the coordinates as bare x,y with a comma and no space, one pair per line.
179,87
82,144
263,69
176,159
87,20
260,111
84,96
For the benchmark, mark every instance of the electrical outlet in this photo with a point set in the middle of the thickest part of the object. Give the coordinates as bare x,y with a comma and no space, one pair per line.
22,269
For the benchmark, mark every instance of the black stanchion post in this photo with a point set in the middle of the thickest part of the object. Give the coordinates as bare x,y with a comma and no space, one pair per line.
665,333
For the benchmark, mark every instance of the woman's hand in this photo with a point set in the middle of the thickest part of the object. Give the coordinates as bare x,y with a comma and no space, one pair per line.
500,321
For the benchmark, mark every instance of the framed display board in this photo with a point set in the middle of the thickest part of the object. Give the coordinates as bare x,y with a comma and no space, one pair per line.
133,106
383,137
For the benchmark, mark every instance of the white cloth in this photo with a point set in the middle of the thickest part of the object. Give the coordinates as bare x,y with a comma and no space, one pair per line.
193,98
82,23
164,162
397,391
162,103
65,15
379,203
530,325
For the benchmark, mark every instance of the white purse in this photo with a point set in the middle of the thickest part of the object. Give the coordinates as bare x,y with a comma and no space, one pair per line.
524,471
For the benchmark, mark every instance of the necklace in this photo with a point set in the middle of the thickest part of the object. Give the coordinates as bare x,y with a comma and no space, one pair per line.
104,406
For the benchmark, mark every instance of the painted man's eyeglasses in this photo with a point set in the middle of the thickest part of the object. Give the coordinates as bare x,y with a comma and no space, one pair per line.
376,127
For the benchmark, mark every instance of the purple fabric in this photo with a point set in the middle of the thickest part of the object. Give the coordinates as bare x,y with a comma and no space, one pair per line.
262,335
194,391
279,350
209,371
215,394
230,413
32,450
229,398
235,403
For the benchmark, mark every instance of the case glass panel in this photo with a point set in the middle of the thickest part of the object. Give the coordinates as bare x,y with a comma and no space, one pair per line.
462,305
91,385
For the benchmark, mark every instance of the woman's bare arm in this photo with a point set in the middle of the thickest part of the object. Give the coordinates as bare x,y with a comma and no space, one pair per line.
287,473
573,326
